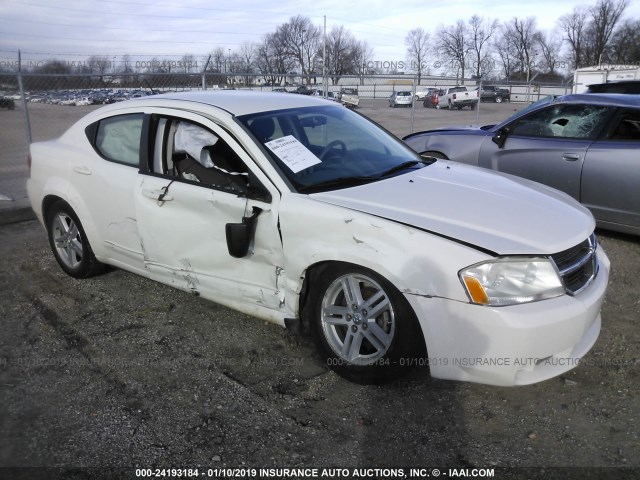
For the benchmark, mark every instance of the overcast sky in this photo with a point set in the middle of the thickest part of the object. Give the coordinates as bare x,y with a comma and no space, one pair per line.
72,30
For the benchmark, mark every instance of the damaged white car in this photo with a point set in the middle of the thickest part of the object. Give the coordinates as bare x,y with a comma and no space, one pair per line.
298,211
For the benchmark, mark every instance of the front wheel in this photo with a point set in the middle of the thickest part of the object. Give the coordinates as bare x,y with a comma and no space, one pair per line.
364,328
498,99
69,243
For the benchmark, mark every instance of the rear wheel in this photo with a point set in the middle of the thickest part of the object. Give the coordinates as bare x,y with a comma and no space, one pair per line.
498,99
364,328
69,243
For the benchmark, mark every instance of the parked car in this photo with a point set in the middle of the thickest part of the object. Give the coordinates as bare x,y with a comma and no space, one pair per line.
431,100
422,93
83,101
330,95
457,97
494,94
306,214
6,102
302,90
585,145
401,98
349,97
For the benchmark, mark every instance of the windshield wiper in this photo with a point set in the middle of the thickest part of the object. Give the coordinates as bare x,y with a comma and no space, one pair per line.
338,182
399,167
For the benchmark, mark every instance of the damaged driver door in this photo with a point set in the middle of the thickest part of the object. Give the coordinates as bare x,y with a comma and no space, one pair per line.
206,215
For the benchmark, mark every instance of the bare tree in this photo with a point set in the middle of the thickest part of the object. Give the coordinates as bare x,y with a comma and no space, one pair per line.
187,63
480,31
589,30
624,46
342,52
574,26
99,64
604,17
126,64
451,43
301,40
500,46
417,43
217,61
524,37
362,56
550,46
272,59
248,51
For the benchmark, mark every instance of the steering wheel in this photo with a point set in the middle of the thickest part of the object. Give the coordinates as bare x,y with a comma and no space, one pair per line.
331,146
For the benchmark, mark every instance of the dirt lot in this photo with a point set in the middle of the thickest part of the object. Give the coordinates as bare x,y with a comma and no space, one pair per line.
118,371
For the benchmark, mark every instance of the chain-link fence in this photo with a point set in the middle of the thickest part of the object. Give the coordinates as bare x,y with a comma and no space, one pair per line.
39,107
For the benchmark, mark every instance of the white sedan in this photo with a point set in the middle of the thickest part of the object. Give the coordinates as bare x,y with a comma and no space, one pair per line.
298,211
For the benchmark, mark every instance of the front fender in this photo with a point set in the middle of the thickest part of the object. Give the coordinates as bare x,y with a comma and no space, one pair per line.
414,261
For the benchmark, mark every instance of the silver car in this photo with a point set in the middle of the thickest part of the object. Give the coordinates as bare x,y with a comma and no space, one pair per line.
587,146
402,98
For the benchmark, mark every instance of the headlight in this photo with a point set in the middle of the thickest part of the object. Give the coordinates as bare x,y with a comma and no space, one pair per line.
511,281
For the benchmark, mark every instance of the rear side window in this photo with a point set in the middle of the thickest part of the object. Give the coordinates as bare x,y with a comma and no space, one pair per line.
118,138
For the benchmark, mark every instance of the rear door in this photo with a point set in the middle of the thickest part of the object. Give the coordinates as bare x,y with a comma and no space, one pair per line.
105,181
549,145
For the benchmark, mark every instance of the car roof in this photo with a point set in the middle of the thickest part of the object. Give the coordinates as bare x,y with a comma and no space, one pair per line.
610,99
236,102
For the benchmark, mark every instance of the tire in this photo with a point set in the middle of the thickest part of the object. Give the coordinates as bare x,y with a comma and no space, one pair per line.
498,99
69,243
357,346
450,105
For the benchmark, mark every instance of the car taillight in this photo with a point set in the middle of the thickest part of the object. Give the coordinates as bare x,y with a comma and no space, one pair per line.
454,96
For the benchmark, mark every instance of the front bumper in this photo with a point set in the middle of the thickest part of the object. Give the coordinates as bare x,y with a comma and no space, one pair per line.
514,345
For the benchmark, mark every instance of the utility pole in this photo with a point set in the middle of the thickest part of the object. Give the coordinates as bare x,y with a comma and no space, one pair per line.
324,60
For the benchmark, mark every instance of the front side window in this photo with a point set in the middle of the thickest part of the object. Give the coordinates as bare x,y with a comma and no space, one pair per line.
564,121
118,138
188,151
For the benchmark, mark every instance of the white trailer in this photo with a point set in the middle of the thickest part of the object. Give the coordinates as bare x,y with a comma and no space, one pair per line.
583,77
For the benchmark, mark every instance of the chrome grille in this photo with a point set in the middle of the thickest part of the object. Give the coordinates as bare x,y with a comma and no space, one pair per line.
578,265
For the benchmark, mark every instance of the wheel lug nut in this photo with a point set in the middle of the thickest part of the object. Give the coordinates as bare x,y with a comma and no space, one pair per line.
364,311
349,317
354,306
354,328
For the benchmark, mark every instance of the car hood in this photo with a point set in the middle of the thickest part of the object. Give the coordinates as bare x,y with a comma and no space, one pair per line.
452,128
491,211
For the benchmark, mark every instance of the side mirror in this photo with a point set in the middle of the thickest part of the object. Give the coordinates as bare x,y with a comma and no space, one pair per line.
500,137
239,235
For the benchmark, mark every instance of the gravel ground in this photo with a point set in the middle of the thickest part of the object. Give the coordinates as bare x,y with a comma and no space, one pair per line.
119,371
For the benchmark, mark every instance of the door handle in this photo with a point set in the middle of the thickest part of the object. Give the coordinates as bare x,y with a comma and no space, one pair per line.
155,195
82,170
570,157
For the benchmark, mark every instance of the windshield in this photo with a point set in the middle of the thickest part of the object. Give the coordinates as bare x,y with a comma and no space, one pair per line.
327,147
